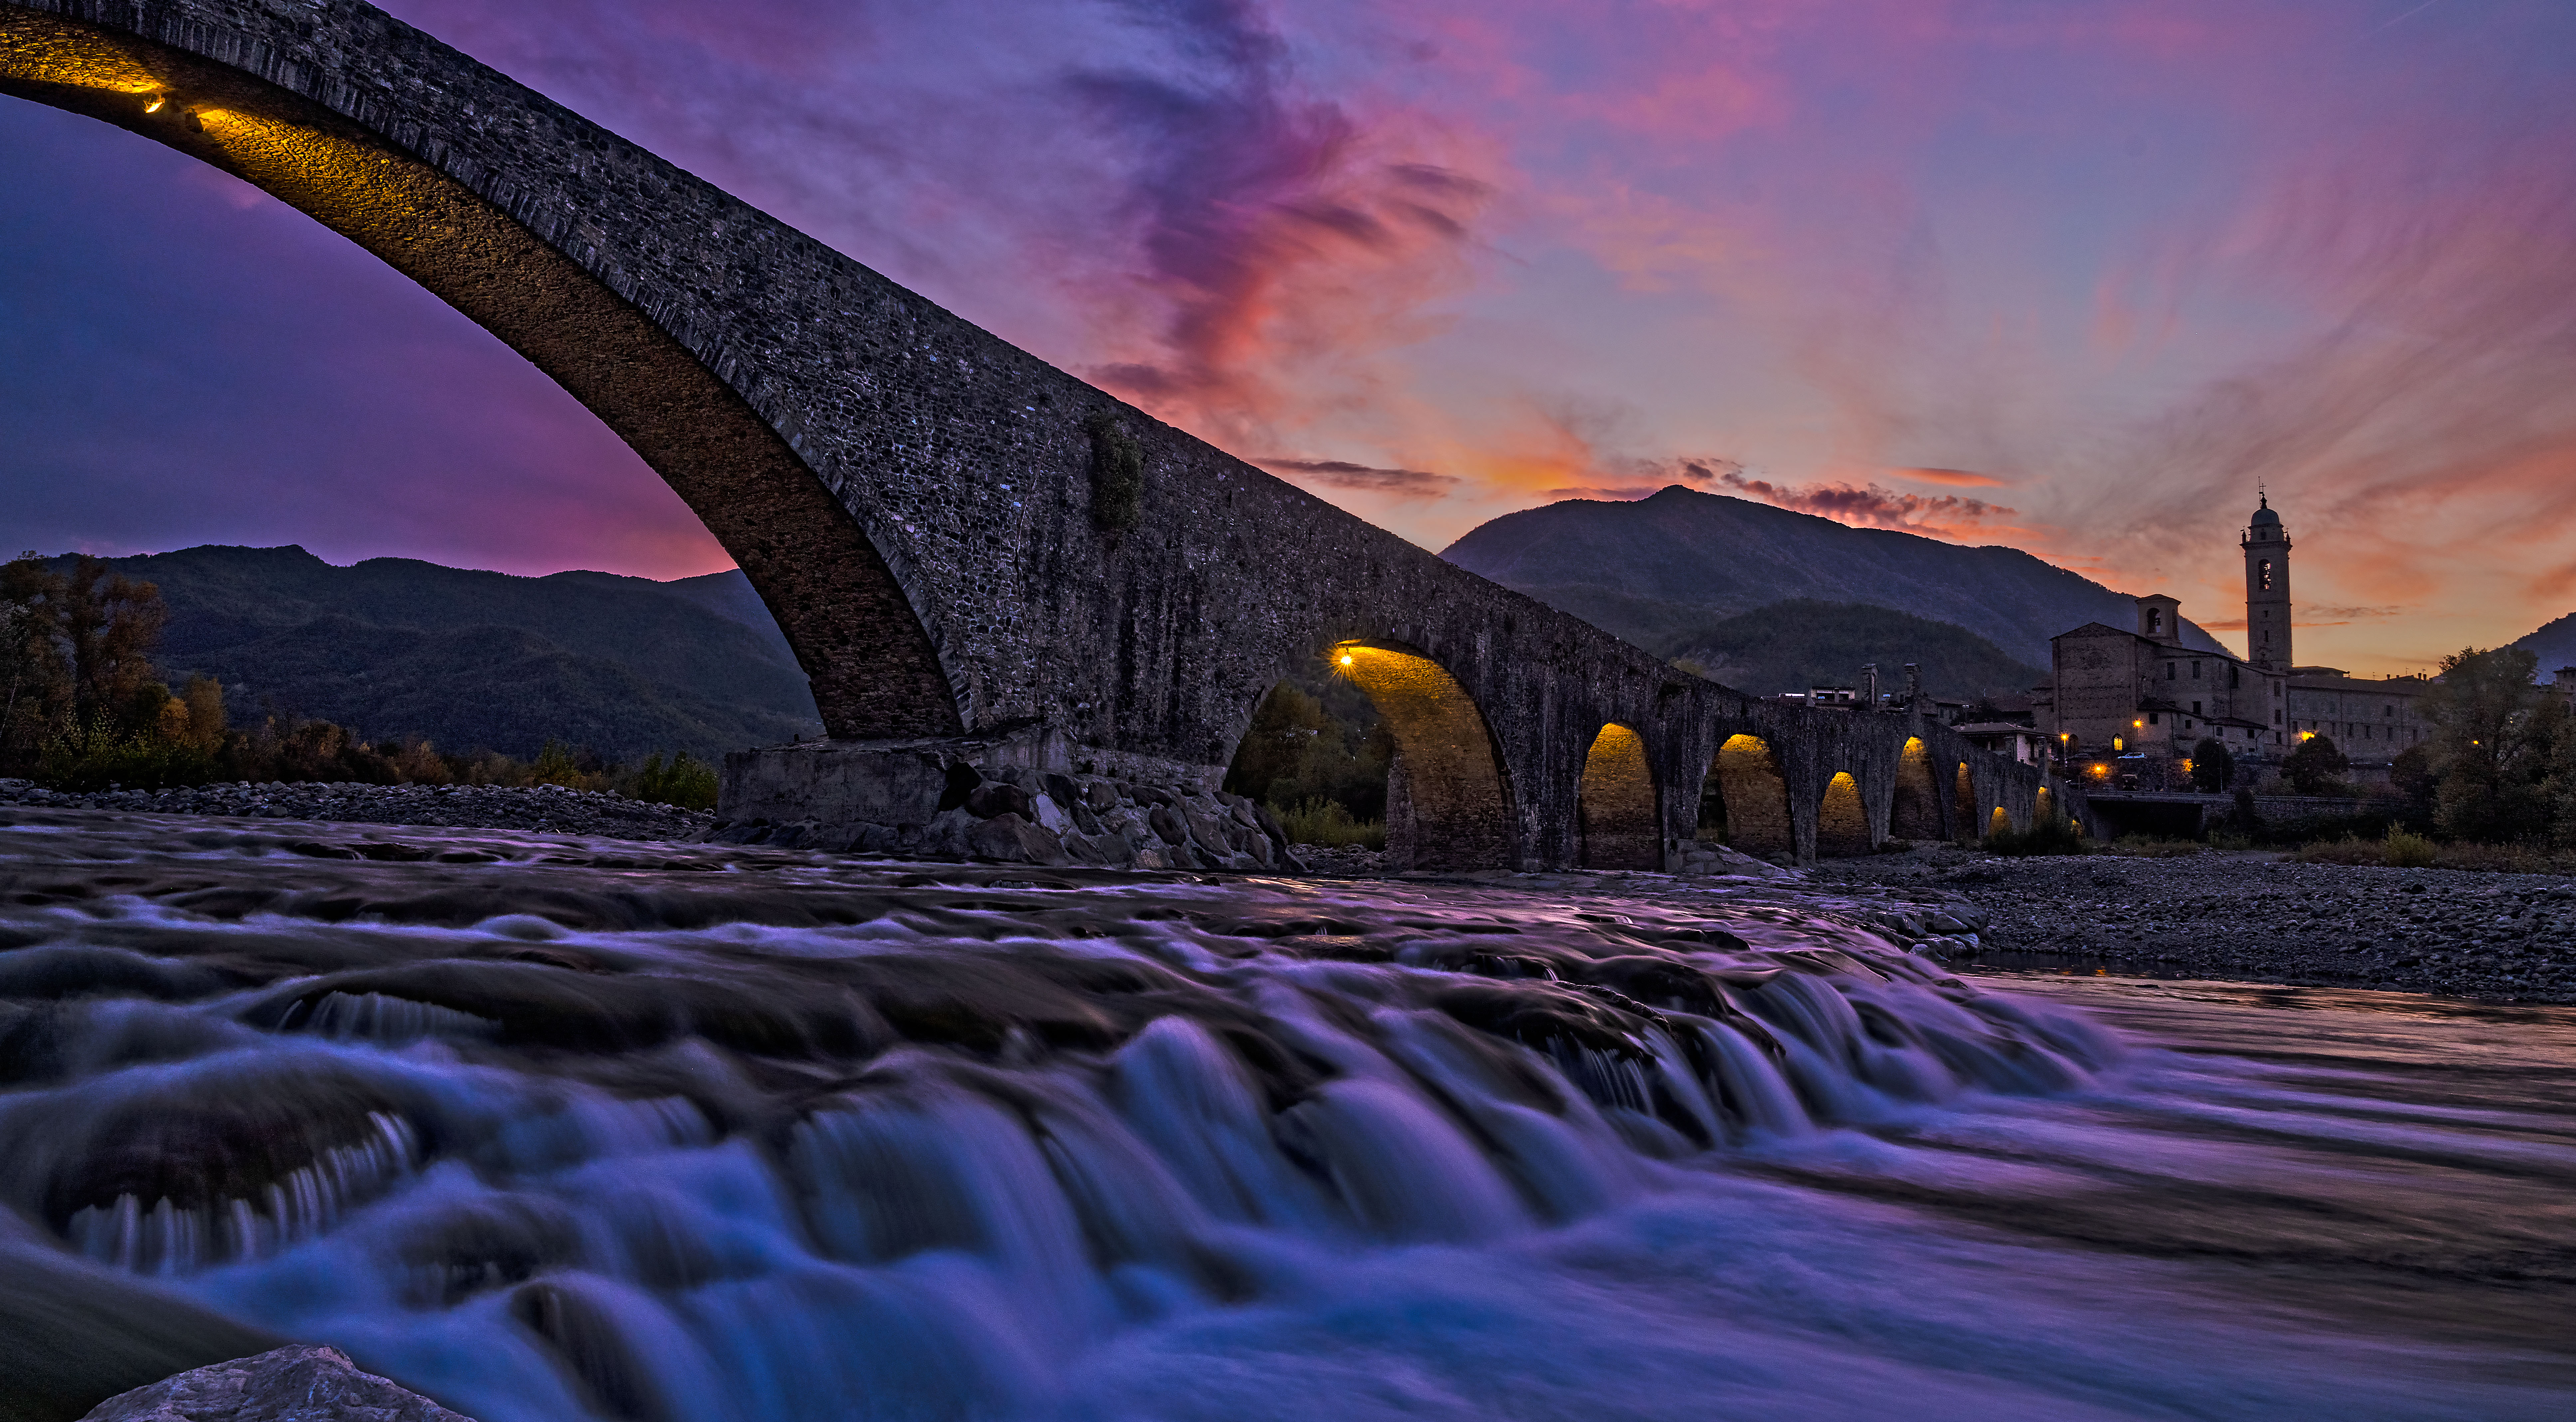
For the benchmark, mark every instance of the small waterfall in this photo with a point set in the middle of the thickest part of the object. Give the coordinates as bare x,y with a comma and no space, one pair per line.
166,1236
830,1141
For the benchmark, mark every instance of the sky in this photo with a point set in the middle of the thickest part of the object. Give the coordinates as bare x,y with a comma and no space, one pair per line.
2075,277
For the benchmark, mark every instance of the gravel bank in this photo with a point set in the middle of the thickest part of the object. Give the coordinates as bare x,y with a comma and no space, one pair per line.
548,808
2259,918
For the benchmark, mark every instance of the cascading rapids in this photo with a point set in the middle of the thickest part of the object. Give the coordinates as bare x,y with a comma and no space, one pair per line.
733,1136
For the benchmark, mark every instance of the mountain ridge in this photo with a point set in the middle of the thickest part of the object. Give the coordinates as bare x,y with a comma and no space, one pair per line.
1644,569
472,659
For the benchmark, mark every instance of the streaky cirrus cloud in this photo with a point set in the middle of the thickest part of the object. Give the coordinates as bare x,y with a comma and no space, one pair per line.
2126,259
1342,474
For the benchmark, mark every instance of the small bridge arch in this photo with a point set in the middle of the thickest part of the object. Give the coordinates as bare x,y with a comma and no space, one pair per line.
1615,805
1448,802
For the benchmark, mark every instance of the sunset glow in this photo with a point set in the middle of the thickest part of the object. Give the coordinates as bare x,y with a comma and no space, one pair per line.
2072,277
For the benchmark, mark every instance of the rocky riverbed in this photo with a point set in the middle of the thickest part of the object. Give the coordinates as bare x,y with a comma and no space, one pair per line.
549,809
2258,917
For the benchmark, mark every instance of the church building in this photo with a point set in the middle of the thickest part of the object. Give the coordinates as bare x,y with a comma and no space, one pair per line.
2125,700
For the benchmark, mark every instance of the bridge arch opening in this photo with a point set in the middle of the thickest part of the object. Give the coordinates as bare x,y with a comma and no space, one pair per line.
1756,799
1963,806
862,644
1915,813
1615,821
1842,825
2047,811
1999,822
1448,805
1316,754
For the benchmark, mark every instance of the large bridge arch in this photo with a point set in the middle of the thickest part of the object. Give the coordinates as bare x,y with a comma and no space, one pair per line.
536,277
977,557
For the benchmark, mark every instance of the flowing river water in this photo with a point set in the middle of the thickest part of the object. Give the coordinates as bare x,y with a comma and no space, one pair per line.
558,1129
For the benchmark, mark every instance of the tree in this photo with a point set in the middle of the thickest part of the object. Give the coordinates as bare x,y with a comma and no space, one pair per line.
2492,746
2316,767
109,626
2212,768
36,700
2415,775
1298,750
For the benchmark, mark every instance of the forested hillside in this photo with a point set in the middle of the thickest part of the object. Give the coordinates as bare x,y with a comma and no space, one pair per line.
397,648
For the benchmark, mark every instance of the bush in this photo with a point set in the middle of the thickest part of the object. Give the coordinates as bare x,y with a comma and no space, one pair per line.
96,756
1326,822
2405,850
2351,849
686,781
2497,859
2142,846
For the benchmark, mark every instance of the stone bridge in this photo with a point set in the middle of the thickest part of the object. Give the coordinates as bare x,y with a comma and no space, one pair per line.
984,565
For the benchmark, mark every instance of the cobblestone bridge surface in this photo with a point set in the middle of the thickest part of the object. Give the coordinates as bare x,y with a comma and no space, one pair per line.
986,566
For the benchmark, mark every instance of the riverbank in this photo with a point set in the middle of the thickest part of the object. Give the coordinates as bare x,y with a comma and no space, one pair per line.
547,809
2258,917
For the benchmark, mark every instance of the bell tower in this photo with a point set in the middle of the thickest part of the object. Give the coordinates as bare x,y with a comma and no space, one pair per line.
2267,589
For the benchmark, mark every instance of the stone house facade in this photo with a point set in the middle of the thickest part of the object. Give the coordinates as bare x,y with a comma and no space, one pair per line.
2119,695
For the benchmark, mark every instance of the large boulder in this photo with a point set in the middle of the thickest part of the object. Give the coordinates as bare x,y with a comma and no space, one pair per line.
303,1383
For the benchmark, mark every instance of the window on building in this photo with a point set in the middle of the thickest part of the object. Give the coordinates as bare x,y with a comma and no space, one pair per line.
2276,691
2155,619
2195,708
2195,671
2235,676
2263,574
2388,711
2151,718
2169,671
2276,716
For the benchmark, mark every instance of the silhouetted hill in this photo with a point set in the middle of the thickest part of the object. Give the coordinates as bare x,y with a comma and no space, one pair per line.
2554,644
1658,568
1792,645
397,647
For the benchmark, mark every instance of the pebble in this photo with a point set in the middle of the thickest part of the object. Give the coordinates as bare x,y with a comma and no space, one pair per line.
549,808
2259,917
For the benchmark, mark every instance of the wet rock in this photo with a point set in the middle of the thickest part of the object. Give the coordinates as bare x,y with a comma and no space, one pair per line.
994,798
296,1384
1011,840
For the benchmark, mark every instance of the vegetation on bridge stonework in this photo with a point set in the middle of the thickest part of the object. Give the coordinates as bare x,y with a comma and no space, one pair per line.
1117,473
82,707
